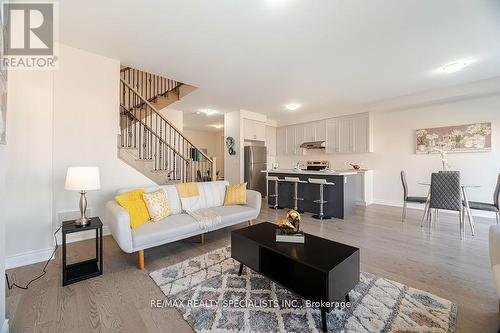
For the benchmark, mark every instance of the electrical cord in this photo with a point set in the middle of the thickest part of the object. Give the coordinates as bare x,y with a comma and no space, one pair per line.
44,270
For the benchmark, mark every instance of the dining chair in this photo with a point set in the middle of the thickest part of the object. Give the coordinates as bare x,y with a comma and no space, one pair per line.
437,210
446,194
490,207
407,198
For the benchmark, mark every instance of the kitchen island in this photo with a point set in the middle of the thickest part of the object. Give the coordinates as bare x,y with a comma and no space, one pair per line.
342,197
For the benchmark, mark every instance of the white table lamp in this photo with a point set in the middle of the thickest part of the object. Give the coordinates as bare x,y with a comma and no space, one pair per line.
82,179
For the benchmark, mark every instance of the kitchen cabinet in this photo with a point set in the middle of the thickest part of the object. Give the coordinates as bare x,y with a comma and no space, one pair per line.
271,140
319,130
309,132
362,132
299,139
281,141
290,140
315,131
332,136
350,134
346,134
254,130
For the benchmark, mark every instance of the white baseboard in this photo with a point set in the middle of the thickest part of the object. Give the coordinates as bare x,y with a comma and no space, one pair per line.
5,327
28,258
475,213
35,256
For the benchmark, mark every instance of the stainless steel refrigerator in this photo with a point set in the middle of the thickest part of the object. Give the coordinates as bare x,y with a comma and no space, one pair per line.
255,162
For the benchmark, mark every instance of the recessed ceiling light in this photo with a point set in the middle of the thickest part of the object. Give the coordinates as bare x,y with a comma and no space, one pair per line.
292,106
454,67
208,112
218,126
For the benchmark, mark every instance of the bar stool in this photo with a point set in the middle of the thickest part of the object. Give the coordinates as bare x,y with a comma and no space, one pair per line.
321,201
276,194
295,181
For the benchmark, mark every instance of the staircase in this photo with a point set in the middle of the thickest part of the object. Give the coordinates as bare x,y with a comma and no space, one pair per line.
148,141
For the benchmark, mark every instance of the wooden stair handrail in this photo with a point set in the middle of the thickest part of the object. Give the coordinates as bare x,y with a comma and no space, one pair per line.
154,133
163,118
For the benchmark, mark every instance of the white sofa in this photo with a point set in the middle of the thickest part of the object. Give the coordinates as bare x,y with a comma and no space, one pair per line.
495,257
178,225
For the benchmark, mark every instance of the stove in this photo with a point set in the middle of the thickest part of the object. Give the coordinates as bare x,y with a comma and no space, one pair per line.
316,165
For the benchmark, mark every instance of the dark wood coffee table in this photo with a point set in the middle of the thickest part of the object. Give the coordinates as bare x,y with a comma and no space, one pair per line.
319,270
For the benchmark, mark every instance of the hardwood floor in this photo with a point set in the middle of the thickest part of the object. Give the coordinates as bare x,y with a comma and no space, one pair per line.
119,301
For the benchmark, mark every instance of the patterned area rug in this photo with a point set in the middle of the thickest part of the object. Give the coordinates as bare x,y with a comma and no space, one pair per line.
213,298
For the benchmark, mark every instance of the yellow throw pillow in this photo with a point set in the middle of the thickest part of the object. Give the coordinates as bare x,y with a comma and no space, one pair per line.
236,194
157,204
135,207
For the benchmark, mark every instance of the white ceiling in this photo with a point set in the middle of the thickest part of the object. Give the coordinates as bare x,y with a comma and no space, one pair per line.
258,55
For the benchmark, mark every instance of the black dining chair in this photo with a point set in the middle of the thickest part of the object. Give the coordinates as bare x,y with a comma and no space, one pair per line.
490,207
407,198
446,194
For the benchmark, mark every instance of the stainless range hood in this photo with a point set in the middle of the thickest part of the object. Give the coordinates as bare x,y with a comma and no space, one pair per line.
313,145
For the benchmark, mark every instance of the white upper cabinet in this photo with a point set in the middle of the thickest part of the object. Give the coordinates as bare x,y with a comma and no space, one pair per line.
362,133
346,133
309,132
290,140
315,131
319,130
332,136
254,130
271,140
281,140
355,133
349,134
299,139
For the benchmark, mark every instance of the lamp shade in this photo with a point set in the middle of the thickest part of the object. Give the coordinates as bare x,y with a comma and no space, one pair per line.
82,179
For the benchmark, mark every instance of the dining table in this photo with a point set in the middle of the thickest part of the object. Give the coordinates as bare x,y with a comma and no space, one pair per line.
465,198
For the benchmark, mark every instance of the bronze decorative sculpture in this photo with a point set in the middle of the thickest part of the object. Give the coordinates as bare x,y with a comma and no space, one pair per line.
291,224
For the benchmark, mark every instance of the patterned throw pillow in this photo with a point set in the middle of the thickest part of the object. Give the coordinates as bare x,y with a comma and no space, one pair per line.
134,204
236,194
157,204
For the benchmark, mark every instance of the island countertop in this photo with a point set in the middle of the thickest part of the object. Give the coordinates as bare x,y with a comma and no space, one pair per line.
318,173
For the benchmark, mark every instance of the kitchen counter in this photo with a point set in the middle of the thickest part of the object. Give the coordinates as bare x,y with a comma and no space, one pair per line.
317,173
340,196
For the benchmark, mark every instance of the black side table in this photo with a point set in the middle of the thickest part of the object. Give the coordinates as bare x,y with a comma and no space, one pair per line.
85,269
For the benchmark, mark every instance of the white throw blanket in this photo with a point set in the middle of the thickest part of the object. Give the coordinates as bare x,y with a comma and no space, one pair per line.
207,218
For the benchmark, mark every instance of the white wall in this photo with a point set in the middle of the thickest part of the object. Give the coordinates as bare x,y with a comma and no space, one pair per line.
209,140
56,120
394,149
3,323
28,221
176,117
233,164
233,126
203,139
219,152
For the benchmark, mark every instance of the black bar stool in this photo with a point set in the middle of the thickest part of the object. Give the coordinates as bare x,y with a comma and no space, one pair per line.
322,183
276,194
295,181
